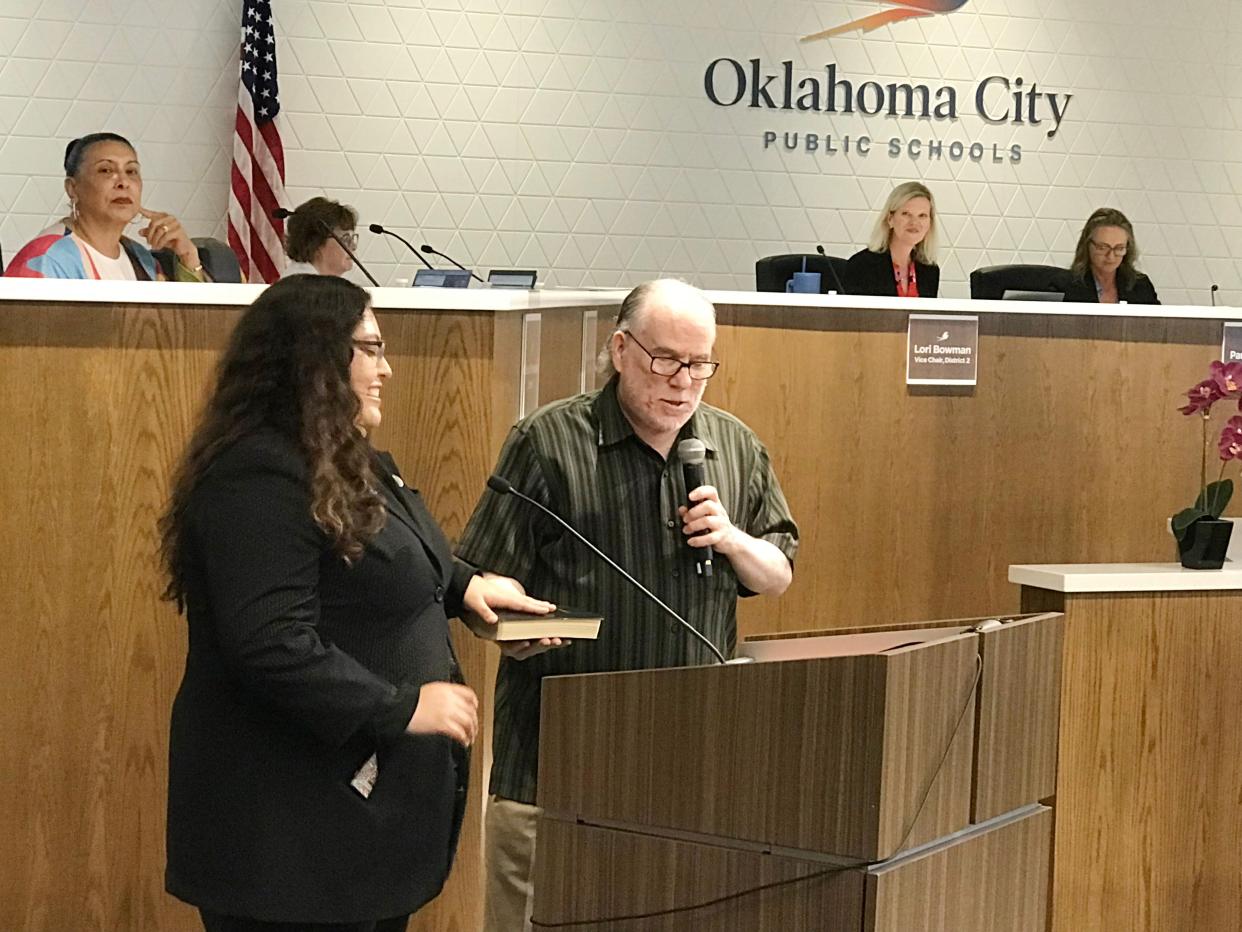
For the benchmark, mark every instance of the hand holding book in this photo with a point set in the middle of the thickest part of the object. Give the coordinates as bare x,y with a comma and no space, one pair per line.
519,629
489,593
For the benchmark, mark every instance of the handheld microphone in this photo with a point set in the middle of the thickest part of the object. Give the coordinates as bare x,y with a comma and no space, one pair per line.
832,268
693,455
505,487
376,228
281,213
1215,288
435,252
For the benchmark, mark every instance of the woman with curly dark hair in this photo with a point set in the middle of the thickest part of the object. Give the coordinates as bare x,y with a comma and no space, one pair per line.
1104,270
317,759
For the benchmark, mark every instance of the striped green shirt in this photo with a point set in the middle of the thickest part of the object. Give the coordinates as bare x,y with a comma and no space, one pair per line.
581,458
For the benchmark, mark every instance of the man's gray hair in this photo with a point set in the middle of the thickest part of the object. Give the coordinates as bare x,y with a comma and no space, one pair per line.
636,302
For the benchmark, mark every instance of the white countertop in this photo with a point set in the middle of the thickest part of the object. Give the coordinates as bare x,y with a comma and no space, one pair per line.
1125,577
971,306
498,299
27,290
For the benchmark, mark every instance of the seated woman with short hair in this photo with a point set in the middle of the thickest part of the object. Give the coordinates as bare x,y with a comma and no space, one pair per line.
309,242
104,183
1103,269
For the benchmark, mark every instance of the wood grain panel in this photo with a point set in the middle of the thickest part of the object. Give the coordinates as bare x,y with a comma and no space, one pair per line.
560,354
1148,816
585,873
847,746
929,714
1015,752
97,405
991,880
1018,714
98,402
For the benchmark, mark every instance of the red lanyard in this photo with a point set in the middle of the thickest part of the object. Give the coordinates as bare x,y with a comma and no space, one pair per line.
906,286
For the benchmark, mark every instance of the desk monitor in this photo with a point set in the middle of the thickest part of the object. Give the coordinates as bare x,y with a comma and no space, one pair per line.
512,278
442,278
1013,294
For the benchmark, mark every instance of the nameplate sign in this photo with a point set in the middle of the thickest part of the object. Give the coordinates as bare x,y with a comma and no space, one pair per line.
1231,343
942,350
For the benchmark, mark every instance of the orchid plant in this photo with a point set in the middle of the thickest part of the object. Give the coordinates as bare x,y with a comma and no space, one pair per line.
1224,383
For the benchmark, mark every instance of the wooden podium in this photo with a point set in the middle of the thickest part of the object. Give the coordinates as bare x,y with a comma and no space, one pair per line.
1147,809
868,779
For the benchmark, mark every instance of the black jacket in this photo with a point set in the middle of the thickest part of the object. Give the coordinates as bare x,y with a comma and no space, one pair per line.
870,272
1083,289
300,667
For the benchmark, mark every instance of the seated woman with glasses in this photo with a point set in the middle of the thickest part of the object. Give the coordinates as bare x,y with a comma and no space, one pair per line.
1103,270
309,242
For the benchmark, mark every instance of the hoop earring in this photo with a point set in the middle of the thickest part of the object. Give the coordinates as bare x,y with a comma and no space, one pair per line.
73,210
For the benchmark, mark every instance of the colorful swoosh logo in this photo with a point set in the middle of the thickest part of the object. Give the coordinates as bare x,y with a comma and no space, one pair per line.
908,9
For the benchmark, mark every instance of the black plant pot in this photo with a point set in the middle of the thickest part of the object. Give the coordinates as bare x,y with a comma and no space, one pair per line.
1205,543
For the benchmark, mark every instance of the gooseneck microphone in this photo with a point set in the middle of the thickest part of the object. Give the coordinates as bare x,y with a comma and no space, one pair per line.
281,213
376,228
1215,288
693,456
505,487
435,252
832,269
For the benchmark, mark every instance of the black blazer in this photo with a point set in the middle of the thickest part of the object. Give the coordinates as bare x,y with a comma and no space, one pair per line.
1083,289
870,272
299,668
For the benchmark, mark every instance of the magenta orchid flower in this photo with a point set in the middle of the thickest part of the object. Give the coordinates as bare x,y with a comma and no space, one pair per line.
1224,381
1203,396
1228,378
1231,439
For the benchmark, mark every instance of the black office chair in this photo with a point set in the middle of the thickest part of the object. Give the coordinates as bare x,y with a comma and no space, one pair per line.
992,282
218,259
773,272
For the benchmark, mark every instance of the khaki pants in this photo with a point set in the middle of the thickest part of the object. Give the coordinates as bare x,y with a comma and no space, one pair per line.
509,860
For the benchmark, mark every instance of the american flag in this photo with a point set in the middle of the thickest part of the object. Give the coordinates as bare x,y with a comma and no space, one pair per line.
258,182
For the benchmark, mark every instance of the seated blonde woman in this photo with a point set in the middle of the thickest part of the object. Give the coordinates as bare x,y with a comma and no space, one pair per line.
900,259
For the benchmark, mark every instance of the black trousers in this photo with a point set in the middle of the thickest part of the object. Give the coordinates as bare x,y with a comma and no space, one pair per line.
214,922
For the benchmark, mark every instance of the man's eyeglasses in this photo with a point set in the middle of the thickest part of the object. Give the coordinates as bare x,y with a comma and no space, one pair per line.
1104,249
668,366
371,348
349,239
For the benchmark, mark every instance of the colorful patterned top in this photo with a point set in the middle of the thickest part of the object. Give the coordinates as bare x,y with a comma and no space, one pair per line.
56,253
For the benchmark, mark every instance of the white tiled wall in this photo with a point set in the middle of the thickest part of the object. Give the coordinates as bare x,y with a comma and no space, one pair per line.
573,136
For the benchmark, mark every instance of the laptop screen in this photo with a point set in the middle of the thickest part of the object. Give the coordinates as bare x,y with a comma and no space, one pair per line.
441,278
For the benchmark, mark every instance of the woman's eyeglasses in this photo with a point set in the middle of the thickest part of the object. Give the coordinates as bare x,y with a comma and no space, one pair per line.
1106,250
